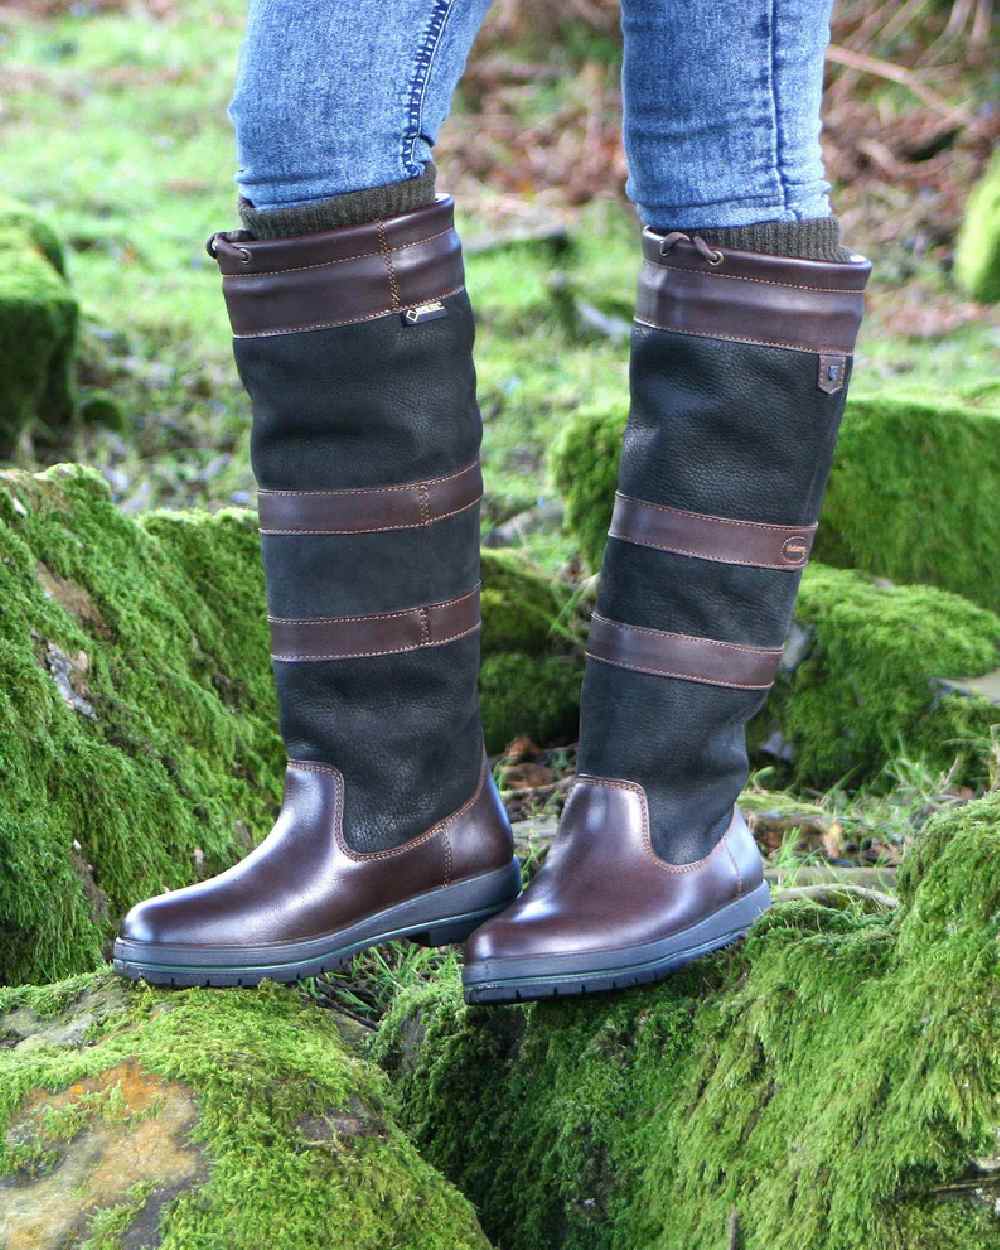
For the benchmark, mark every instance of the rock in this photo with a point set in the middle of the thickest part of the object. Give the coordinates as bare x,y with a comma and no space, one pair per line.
831,1082
137,719
132,1119
38,327
532,655
869,687
910,494
537,695
977,251
138,727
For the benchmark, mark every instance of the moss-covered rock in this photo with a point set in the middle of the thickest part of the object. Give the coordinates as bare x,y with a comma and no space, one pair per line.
910,496
138,740
138,747
226,1121
38,326
585,469
532,659
866,692
537,696
830,1084
977,251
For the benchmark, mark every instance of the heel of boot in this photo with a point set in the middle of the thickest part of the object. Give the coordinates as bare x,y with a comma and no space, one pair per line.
452,932
503,889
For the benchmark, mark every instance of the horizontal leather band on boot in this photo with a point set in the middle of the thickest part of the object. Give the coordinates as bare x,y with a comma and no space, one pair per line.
385,633
664,654
372,510
711,537
774,301
338,277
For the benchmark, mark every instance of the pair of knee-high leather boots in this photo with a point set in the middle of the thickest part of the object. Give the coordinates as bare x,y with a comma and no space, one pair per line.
356,348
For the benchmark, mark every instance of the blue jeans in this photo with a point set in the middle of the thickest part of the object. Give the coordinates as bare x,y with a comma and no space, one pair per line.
721,102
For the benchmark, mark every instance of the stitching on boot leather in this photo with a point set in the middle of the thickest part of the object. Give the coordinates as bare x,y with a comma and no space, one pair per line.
374,616
386,251
660,672
384,529
362,857
340,260
379,490
739,277
365,655
351,321
675,869
736,867
734,338
714,642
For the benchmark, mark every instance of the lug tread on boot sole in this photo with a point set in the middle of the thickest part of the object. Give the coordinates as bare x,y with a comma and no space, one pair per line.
437,931
571,985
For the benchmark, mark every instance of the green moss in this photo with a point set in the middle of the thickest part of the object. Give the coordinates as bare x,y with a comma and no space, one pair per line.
241,1120
585,469
137,719
137,715
523,609
534,695
532,663
822,1081
866,693
977,251
908,495
38,324
905,500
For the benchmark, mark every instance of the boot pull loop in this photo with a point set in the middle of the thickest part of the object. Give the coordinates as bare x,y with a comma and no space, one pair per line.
230,239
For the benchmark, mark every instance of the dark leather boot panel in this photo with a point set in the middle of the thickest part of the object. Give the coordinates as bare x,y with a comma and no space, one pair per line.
403,729
383,572
365,405
725,602
727,429
683,741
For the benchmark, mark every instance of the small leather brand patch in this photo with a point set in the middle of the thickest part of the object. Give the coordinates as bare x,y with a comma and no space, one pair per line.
796,550
832,373
424,312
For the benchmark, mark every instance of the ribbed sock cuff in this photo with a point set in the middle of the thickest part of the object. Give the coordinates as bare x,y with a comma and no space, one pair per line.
355,208
817,238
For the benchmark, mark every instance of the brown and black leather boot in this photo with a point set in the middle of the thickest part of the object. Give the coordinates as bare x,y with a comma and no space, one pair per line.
356,348
740,365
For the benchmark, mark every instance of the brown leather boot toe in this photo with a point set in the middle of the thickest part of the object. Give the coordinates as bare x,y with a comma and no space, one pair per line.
605,912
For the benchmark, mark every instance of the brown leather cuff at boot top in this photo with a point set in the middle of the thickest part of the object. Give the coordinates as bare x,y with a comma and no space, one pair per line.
403,265
304,902
747,297
605,912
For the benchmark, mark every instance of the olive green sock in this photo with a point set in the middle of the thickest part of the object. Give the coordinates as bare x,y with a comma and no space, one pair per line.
355,208
817,238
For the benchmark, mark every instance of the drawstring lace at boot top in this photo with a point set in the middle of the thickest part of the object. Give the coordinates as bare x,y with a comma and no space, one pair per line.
704,251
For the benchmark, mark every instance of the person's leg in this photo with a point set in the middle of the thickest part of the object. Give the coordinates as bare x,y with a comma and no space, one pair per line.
337,107
353,335
741,354
722,121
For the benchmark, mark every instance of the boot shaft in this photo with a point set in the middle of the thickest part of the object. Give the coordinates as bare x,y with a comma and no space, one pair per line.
355,346
739,373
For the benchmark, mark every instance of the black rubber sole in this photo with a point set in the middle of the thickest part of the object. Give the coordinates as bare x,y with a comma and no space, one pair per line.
437,918
526,979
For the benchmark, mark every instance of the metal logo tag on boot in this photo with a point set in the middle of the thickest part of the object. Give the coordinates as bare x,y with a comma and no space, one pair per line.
832,373
424,312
